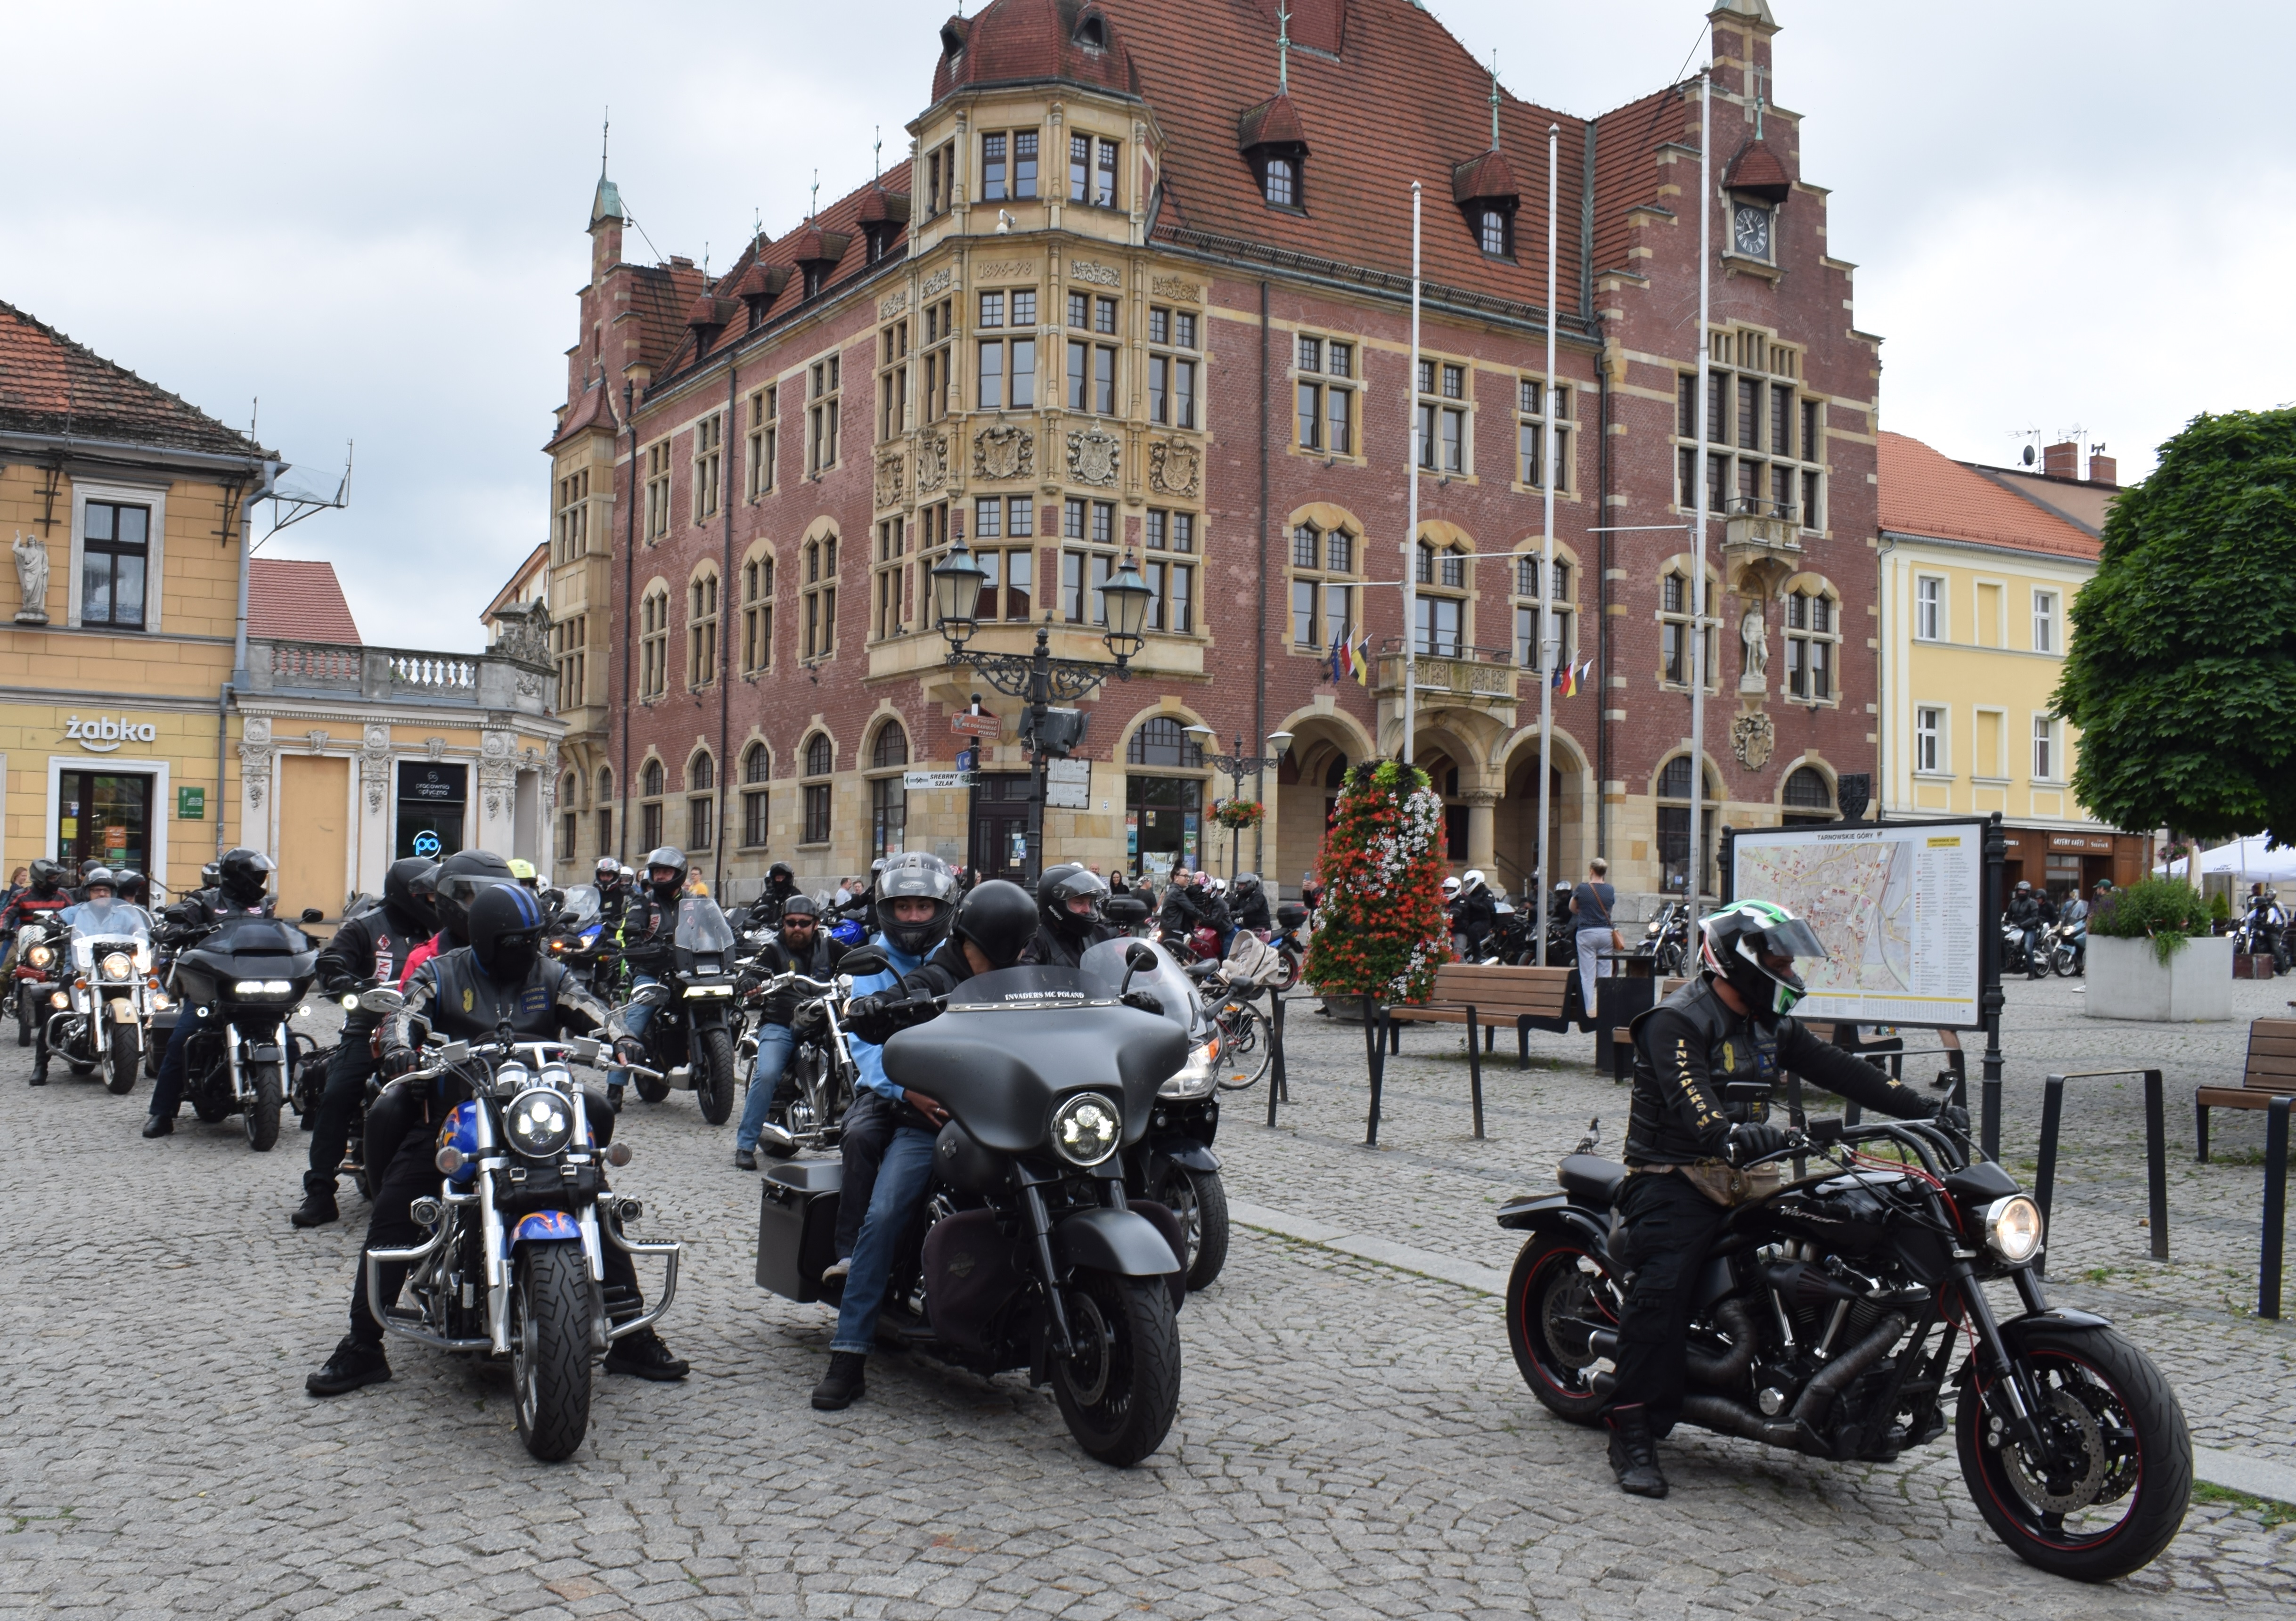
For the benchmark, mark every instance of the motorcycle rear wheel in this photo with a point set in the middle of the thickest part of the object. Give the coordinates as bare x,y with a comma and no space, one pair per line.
2110,1404
1120,1388
713,1078
653,1092
261,1116
126,1054
1199,1199
550,1347
1549,1295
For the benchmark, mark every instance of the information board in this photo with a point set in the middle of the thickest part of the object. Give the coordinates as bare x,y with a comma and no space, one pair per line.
1900,909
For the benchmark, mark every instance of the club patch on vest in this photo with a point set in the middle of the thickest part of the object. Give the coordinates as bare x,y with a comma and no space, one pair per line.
468,1000
534,999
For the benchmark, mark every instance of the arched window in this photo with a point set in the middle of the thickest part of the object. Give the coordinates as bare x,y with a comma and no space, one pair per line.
1674,826
1163,740
702,629
1323,592
820,760
1279,181
650,812
701,811
1807,796
1813,638
653,778
892,746
757,765
1492,234
1528,566
569,790
1442,600
605,783
820,756
702,773
1675,605
653,644
888,795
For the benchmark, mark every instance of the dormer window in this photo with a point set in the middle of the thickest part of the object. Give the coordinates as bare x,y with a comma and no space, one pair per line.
1093,35
1276,145
816,274
1279,181
1495,232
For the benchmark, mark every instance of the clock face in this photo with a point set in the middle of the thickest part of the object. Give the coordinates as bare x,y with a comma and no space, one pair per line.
1750,229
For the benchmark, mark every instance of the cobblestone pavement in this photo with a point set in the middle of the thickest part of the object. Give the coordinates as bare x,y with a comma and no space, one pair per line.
1353,1439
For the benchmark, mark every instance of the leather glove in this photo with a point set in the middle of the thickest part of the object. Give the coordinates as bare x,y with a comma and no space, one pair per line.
398,1060
1954,1118
630,1050
1755,1139
1147,1001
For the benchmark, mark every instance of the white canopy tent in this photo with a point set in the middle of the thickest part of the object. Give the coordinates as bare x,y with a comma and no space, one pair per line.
2248,861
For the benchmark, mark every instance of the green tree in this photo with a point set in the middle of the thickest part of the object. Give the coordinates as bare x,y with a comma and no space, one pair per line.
2181,670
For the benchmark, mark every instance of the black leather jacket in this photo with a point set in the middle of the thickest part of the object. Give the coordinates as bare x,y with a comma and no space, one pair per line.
777,958
461,1003
1251,911
374,945
1691,1047
1054,950
644,932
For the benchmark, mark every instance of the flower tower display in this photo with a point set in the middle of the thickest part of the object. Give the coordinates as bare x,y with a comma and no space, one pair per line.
1382,930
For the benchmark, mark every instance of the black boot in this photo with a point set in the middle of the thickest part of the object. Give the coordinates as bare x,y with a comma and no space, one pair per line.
842,1385
40,1074
160,1126
353,1365
318,1206
643,1355
614,1098
1634,1455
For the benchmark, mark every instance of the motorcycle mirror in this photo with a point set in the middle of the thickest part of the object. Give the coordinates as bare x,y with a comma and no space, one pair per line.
1137,960
845,985
861,960
1746,1092
382,999
586,1049
312,914
454,1053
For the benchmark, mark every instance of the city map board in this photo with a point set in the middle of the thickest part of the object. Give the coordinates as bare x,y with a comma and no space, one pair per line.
1899,909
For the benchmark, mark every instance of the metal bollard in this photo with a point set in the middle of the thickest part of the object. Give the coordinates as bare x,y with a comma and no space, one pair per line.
2044,1177
1372,1022
2156,1161
2156,1150
1989,1129
1276,1083
1475,1071
2275,1207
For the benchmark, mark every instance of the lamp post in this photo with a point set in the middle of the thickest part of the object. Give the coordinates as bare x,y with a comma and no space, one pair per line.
1037,677
1238,766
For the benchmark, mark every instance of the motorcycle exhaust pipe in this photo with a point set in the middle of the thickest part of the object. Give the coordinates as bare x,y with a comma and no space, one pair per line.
1797,1431
1724,1372
775,1137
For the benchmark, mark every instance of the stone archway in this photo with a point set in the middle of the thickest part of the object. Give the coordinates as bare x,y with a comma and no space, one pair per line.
1323,745
1570,811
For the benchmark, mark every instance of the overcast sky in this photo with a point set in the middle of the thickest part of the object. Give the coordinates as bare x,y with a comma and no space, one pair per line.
371,216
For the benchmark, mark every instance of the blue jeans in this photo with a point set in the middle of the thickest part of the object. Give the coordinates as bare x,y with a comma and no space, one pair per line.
774,1044
636,1021
167,1086
901,1183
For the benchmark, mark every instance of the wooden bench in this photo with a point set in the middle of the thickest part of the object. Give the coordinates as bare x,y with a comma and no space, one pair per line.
2271,1074
1484,997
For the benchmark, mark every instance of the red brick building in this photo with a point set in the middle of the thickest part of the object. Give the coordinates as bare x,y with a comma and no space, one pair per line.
1114,303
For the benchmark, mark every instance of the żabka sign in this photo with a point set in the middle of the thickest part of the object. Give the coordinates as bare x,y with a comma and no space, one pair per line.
102,736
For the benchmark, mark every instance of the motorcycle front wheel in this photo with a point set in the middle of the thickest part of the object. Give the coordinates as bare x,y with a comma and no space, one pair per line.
2110,1488
2065,962
1667,963
1199,1199
550,1347
261,1116
125,1056
1558,1295
713,1078
1119,1386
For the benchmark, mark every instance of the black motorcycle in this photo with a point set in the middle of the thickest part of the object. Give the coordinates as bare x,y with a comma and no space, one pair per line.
511,1266
693,1026
1027,1253
2263,931
820,1074
1825,1321
250,972
1666,940
2015,959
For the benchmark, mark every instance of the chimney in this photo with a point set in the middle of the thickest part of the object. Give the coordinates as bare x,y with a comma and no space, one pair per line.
2060,461
2103,470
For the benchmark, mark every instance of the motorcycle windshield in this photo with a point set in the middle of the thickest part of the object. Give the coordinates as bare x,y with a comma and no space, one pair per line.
109,920
252,935
1168,983
581,907
701,926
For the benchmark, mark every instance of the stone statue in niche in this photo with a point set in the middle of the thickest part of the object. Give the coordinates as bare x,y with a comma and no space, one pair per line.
1754,637
32,579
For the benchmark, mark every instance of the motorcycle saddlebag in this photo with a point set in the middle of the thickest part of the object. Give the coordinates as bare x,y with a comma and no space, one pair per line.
797,1227
970,1278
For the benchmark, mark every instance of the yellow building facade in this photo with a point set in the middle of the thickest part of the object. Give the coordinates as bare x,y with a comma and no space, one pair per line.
1978,581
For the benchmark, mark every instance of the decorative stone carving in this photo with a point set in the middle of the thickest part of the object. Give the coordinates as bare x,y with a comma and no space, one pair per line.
375,765
1004,453
890,478
255,755
316,740
256,729
1093,456
31,580
530,686
525,633
1177,289
1099,275
1006,270
436,748
937,282
550,783
1175,467
1754,639
892,304
1753,739
933,462
497,770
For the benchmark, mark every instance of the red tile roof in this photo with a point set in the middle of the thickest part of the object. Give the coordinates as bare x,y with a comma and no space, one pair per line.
298,601
594,409
1014,41
1274,122
1757,169
1490,177
51,385
1926,492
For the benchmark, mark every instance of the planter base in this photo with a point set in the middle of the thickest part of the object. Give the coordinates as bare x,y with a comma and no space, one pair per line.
2126,981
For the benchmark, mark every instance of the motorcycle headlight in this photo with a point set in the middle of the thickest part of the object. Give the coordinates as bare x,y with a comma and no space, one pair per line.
1195,1077
1086,1129
117,965
262,990
540,1122
40,956
2013,1229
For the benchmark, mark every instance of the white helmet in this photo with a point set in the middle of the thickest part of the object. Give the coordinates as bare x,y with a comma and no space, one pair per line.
1472,882
1451,887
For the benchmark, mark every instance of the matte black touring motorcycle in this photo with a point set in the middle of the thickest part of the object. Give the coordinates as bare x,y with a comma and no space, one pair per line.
251,971
694,1027
1027,1254
1826,1321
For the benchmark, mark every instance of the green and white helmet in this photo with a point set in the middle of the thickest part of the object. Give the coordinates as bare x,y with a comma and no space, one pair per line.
1735,940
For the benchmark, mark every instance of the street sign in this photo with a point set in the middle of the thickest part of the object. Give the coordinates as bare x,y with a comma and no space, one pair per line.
917,782
968,759
191,803
1068,784
969,724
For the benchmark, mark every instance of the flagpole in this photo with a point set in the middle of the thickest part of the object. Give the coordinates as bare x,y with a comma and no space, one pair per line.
1411,524
1695,864
1542,881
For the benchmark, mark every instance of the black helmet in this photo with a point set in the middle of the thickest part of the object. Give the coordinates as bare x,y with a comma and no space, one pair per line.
94,876
779,879
1247,883
666,855
134,887
504,931
422,896
243,875
398,891
999,919
208,874
914,875
460,877
800,906
1735,940
47,876
1060,885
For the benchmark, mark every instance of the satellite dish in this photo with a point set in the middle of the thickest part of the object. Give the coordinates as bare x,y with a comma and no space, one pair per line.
2029,455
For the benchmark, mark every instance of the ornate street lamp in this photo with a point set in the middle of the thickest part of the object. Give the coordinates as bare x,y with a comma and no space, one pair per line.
956,596
1238,766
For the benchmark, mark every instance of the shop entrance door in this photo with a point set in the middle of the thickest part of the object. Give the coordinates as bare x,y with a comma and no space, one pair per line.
104,818
314,833
1000,827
